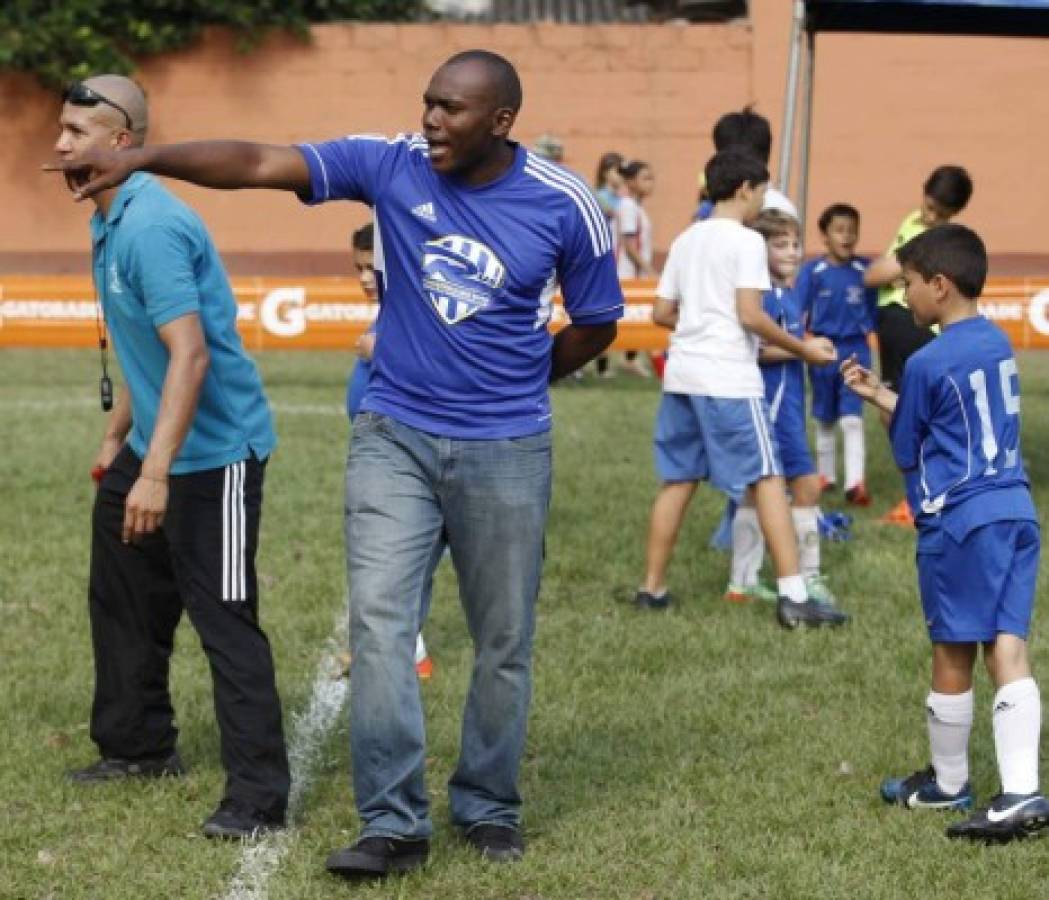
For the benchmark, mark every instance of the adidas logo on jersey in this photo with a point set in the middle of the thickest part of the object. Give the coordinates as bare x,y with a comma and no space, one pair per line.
425,211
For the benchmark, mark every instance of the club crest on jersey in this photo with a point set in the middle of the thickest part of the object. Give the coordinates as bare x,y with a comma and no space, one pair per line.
461,276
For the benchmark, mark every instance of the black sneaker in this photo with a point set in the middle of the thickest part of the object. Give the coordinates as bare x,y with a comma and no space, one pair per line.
235,820
810,614
1010,816
372,857
499,843
645,600
113,769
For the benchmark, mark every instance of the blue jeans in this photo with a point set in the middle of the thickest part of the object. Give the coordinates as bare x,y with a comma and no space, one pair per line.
406,491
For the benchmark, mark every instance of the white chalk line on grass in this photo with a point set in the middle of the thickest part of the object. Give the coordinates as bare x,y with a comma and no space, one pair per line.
259,860
46,406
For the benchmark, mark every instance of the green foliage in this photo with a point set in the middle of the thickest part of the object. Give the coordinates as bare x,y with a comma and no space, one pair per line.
63,40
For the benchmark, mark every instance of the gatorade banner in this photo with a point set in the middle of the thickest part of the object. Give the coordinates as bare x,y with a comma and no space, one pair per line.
331,313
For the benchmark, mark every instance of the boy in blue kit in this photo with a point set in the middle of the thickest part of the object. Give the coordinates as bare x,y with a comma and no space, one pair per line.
713,422
955,433
784,376
837,305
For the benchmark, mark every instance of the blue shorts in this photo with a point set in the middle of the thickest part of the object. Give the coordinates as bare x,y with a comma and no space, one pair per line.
793,442
981,586
728,442
830,398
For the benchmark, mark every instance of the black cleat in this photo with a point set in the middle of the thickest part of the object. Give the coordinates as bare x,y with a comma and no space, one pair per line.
810,614
114,769
498,843
645,600
1009,817
234,820
374,857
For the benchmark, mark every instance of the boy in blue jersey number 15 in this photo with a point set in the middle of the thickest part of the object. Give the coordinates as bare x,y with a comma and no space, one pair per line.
955,433
836,305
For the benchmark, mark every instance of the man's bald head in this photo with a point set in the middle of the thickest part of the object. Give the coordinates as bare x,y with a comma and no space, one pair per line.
505,85
126,94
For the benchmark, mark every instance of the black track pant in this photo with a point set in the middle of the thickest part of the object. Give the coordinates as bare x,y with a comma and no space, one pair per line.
899,336
201,560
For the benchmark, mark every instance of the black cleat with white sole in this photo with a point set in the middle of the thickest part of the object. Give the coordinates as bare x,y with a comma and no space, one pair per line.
1008,818
810,614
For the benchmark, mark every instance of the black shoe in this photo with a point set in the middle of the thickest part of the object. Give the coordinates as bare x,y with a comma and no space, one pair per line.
1010,816
810,614
235,820
372,857
499,843
645,600
116,769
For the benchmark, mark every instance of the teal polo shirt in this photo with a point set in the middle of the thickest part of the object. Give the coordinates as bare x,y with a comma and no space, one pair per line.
153,262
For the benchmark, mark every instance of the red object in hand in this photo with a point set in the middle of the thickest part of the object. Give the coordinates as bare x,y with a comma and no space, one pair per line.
96,474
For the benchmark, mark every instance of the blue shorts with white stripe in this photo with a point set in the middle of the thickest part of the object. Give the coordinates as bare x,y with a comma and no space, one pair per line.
726,441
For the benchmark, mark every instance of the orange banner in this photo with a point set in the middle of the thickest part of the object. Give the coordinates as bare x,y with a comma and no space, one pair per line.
330,313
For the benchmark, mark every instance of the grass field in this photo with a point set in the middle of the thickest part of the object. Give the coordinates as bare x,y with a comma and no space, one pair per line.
700,753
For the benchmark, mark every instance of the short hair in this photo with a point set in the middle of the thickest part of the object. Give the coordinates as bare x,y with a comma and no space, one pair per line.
728,170
837,210
951,250
508,84
774,223
745,128
608,161
950,186
363,238
633,168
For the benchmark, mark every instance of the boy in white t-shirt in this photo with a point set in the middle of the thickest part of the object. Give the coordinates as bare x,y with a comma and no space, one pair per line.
713,423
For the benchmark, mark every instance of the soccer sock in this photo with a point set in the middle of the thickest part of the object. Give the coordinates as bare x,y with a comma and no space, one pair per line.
748,547
793,588
806,526
826,464
950,719
420,648
1017,720
855,450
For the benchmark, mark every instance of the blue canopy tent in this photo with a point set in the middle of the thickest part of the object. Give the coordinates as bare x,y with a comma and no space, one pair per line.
1008,18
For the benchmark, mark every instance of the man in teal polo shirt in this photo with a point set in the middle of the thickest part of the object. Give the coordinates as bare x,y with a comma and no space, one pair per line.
176,516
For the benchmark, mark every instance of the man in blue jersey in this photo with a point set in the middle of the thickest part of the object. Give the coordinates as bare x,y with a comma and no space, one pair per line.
180,473
838,306
955,433
453,435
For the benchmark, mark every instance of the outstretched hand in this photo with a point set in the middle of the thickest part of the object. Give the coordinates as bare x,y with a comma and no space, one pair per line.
819,351
860,380
95,171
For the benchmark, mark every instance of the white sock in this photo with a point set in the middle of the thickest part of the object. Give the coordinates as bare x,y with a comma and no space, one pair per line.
748,547
950,719
1017,720
808,532
855,450
793,588
420,648
826,452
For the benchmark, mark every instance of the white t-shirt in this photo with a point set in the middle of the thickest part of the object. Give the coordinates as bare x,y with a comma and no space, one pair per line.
631,218
710,352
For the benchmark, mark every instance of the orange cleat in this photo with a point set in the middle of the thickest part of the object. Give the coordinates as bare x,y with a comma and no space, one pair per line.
424,668
900,515
857,495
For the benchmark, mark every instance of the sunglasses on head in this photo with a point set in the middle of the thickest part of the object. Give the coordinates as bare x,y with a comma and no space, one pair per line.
79,94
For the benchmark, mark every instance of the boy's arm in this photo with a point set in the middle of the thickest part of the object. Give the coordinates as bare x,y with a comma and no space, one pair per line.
864,383
816,351
884,270
665,313
769,355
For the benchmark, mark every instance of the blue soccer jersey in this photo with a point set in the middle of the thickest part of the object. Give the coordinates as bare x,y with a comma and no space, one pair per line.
462,346
956,430
785,381
833,299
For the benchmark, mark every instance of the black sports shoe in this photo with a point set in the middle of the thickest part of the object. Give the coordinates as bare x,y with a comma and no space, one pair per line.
372,857
114,769
1010,816
645,600
920,791
499,843
810,614
235,820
